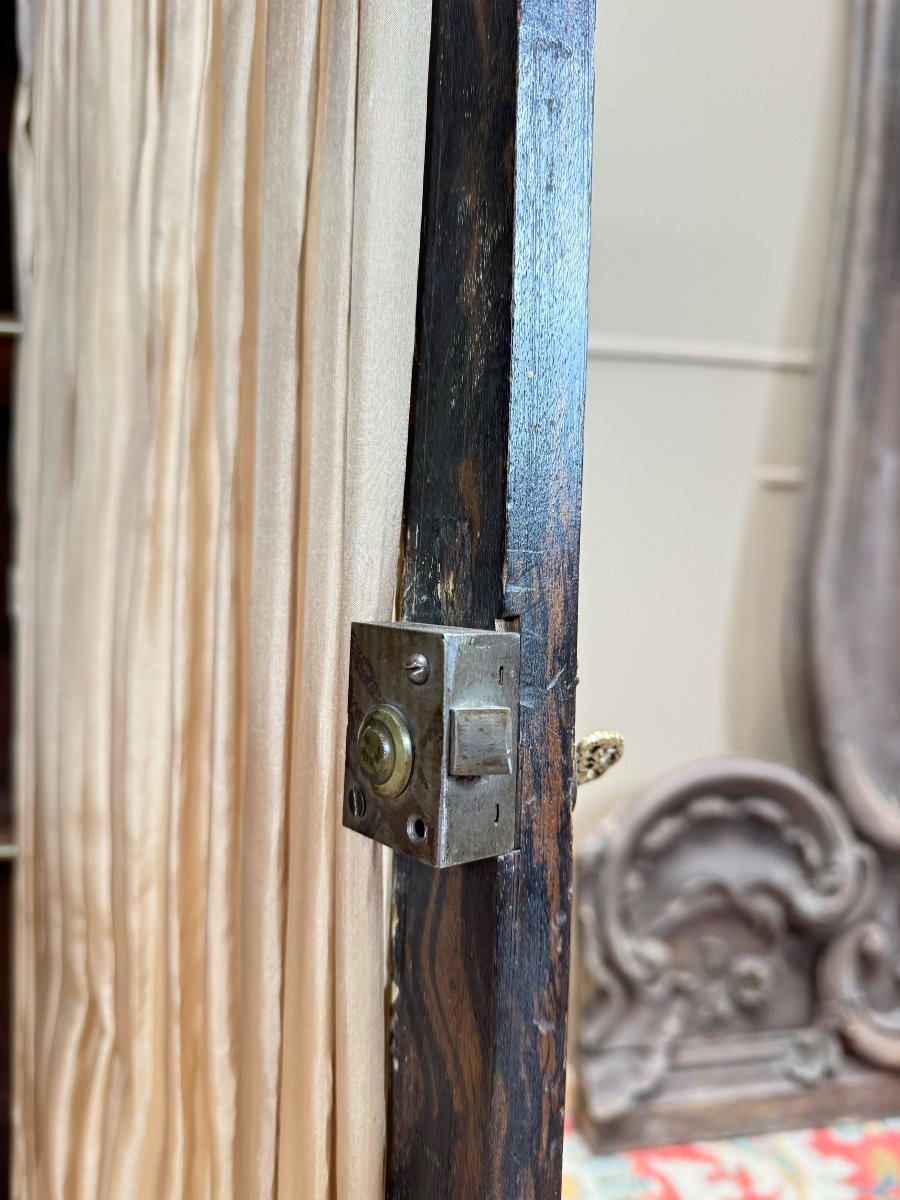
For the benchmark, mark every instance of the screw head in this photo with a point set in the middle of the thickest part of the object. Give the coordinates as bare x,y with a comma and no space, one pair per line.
417,668
357,802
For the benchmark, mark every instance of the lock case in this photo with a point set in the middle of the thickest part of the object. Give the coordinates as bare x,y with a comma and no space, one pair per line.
432,740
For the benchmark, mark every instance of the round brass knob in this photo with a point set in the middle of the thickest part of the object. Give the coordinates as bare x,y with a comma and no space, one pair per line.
384,750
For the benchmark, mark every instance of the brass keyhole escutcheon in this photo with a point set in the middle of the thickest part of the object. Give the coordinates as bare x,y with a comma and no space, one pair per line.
384,749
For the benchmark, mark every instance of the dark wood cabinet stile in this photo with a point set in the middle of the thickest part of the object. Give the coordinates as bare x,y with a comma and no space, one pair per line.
481,952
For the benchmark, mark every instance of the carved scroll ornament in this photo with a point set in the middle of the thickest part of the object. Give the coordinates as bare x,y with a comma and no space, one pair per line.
848,586
692,908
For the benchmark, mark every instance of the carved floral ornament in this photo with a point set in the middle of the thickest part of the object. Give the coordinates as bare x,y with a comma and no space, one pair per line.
690,908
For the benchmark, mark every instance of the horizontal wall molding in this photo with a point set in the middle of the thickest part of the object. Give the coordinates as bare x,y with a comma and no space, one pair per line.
682,352
675,351
780,478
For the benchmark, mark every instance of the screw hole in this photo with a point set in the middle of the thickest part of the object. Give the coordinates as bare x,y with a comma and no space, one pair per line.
417,829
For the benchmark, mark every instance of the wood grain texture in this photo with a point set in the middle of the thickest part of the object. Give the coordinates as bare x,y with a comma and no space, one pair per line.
481,953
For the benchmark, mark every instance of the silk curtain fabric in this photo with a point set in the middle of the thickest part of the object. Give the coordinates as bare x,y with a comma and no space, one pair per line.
218,207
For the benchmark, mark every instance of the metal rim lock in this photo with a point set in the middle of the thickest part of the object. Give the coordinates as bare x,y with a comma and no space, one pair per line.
432,740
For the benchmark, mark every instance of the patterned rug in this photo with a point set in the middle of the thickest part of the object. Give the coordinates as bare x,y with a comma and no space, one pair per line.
848,1162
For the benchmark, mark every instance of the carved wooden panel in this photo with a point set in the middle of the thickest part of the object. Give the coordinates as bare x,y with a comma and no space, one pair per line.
740,922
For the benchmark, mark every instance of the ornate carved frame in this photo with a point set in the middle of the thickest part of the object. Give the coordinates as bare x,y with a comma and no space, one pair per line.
739,922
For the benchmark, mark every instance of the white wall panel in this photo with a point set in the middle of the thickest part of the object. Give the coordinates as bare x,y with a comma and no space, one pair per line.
684,563
715,141
717,135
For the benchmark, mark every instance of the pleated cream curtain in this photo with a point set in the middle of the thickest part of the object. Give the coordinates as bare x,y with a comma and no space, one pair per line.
218,207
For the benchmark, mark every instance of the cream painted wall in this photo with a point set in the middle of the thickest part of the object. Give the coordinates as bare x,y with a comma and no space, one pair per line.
716,140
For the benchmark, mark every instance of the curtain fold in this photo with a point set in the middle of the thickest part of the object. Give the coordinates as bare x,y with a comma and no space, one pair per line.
217,218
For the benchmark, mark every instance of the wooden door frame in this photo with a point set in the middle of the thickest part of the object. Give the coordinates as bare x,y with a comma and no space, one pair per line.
480,953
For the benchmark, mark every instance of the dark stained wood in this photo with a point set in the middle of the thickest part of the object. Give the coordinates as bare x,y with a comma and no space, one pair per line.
481,953
9,69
